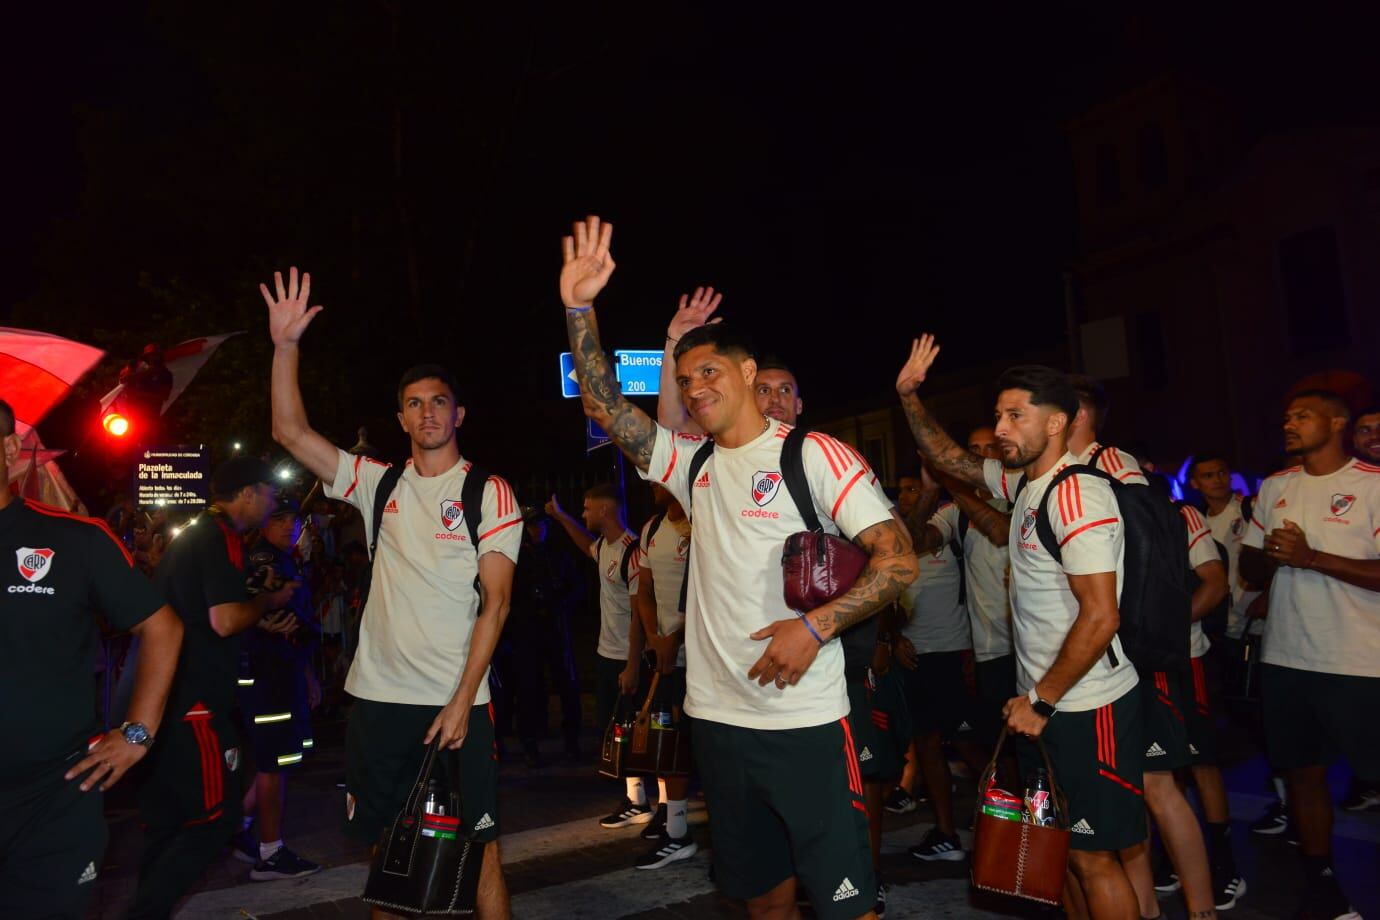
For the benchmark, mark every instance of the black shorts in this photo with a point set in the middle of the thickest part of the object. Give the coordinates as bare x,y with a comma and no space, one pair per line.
273,701
1198,709
1311,718
879,758
996,685
783,803
1098,758
52,843
1166,733
196,772
941,695
383,755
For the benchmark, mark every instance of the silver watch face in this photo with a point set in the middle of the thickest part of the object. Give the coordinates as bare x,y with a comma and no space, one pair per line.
136,733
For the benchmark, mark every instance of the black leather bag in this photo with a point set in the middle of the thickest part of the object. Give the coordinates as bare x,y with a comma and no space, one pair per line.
616,737
427,864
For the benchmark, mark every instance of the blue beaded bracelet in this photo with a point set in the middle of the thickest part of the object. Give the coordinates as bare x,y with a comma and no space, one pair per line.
806,620
578,309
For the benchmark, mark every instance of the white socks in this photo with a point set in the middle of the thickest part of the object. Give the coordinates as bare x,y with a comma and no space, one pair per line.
637,792
266,850
677,825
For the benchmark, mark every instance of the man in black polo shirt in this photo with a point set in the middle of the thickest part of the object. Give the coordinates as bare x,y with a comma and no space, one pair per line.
58,570
190,805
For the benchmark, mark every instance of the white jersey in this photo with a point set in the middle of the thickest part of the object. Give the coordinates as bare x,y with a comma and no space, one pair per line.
615,594
414,638
987,568
1319,623
1201,549
1088,527
1229,529
938,619
741,522
1115,463
664,555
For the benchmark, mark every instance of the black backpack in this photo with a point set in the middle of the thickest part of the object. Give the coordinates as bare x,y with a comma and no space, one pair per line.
471,496
1215,623
625,562
1156,589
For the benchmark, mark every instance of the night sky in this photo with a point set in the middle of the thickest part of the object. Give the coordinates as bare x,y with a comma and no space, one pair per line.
847,180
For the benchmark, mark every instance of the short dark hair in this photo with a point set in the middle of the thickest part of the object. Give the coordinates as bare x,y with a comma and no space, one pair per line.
6,419
605,490
1046,386
772,362
1206,457
725,339
1093,395
1371,410
1339,405
426,372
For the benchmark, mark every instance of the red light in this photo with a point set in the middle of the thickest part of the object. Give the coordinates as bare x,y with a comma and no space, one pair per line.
115,424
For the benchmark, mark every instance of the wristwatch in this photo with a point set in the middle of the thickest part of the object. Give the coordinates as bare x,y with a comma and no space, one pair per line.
1041,705
137,733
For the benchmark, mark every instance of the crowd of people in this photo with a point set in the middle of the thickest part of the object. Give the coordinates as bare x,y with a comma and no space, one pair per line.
1017,593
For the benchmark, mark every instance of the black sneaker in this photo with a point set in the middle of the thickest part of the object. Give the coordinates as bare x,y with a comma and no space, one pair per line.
627,814
1361,797
657,826
899,802
283,864
670,850
937,847
880,907
1324,900
1275,821
1226,890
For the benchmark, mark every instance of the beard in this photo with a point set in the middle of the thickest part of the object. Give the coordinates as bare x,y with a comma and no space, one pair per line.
1021,456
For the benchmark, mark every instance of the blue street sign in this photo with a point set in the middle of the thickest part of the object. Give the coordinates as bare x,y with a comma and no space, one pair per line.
639,372
570,384
595,437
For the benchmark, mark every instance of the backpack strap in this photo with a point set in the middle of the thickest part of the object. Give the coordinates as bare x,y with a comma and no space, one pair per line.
1092,460
1043,527
793,474
696,464
651,527
1248,508
628,552
387,485
472,497
957,542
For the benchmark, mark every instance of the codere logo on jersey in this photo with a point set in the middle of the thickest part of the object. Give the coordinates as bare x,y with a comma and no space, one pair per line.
34,563
764,486
452,512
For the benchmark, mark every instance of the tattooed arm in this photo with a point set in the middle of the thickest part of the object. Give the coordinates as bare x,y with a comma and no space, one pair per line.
939,449
991,523
588,266
890,567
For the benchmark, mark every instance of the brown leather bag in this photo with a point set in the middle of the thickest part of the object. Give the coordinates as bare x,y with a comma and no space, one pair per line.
657,749
1019,859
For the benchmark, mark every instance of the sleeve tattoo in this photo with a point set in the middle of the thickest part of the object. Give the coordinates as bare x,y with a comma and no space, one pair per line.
630,428
938,447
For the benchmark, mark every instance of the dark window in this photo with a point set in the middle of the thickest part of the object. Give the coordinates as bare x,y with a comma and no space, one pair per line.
1149,343
1314,303
1154,159
1108,177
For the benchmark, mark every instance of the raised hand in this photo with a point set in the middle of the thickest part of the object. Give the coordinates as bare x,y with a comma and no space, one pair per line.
923,351
288,314
553,507
587,265
694,311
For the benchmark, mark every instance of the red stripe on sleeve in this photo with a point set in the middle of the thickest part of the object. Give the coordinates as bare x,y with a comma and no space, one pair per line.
675,454
1077,498
353,482
1087,527
512,523
1194,542
828,454
1262,526
834,512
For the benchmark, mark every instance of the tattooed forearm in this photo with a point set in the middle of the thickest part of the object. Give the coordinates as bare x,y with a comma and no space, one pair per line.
890,569
938,447
630,428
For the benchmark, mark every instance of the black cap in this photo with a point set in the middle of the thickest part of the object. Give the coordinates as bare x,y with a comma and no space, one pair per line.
237,472
287,505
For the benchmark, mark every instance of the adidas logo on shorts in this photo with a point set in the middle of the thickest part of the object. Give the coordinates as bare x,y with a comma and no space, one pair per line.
846,891
1155,750
485,823
1192,749
89,875
965,727
1082,827
864,755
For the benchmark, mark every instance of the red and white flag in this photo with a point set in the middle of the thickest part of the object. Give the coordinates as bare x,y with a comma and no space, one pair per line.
37,370
183,360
